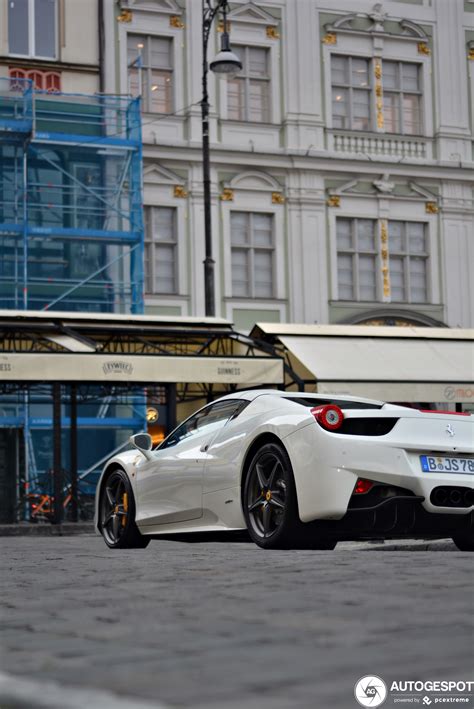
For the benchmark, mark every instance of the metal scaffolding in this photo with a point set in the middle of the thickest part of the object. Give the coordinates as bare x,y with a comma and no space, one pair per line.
71,217
71,239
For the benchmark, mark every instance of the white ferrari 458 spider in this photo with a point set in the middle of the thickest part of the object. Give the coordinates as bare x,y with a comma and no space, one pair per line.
297,471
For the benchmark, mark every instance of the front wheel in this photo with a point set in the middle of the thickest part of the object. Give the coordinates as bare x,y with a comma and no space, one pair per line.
464,542
270,504
117,514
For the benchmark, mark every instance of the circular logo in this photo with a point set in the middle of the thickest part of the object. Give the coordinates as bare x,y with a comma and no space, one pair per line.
450,393
152,415
370,691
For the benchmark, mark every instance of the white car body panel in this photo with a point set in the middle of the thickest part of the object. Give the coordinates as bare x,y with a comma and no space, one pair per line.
341,460
196,485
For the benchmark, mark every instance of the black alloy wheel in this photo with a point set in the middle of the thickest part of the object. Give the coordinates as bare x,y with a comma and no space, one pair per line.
117,514
270,504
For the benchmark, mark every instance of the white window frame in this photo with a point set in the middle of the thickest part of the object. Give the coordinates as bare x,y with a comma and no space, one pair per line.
372,95
252,192
151,243
147,69
395,48
240,37
355,254
400,92
31,34
250,247
350,89
406,256
428,255
247,78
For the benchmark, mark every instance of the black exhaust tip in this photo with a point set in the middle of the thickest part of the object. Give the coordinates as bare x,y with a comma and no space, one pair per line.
439,497
455,497
448,496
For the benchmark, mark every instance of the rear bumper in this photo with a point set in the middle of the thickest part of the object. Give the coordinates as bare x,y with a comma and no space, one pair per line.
396,517
326,467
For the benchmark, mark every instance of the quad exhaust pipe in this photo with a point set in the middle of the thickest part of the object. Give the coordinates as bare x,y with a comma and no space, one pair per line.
448,496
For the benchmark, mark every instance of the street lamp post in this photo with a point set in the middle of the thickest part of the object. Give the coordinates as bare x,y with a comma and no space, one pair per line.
225,62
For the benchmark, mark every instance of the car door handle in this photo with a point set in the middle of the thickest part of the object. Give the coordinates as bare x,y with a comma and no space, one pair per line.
204,447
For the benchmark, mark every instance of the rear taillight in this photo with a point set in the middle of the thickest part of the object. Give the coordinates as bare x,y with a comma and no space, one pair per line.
329,417
362,486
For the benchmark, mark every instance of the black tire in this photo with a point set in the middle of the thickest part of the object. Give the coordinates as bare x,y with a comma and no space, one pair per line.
464,542
117,513
270,504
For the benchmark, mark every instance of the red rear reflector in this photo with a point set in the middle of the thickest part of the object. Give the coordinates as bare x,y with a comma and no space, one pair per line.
451,413
362,486
329,417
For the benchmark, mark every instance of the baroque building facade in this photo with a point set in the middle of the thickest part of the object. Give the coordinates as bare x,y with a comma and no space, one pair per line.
342,158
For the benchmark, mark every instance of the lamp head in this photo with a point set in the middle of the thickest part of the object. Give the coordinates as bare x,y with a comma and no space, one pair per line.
226,61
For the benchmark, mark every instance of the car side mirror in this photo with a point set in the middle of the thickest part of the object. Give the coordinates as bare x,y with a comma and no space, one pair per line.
143,443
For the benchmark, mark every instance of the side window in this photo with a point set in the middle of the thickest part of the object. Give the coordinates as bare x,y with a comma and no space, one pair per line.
207,420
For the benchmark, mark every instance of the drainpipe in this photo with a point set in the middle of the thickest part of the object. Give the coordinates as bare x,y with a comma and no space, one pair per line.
101,47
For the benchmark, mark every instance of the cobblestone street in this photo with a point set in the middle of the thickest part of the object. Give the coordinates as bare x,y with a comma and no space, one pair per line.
226,625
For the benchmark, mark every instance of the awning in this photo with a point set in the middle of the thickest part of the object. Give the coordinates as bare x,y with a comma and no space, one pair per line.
392,364
136,368
193,353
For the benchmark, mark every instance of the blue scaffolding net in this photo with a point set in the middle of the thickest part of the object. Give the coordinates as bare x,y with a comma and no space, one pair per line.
71,239
71,217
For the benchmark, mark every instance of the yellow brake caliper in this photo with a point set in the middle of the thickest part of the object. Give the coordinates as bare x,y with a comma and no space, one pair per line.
125,508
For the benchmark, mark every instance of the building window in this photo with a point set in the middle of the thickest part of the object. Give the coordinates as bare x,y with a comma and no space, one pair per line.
350,93
248,94
42,80
359,271
32,28
252,244
353,95
408,258
161,250
155,55
356,259
401,98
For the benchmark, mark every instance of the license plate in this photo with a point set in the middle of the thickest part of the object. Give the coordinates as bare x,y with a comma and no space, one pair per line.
445,464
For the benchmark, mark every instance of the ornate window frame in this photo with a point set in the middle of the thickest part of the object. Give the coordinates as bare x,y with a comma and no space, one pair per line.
409,44
154,20
252,26
383,206
254,191
163,188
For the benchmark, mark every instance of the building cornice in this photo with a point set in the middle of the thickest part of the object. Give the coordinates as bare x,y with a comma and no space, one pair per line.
318,162
45,65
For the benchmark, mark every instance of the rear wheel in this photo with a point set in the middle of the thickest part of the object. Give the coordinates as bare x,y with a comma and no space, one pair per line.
117,514
464,542
270,504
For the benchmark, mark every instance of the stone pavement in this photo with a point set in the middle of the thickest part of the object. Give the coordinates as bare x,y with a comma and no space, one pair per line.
221,625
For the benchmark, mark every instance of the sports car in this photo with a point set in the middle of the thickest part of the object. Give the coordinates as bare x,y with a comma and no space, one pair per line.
295,470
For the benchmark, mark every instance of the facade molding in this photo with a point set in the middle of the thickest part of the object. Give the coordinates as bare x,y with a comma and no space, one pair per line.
399,315
254,181
159,175
166,7
251,13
